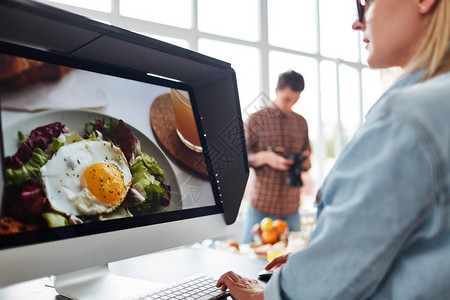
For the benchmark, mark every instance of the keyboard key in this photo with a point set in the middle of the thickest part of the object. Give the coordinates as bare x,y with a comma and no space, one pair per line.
200,287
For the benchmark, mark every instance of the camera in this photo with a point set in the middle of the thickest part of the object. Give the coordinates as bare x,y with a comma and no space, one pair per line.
293,178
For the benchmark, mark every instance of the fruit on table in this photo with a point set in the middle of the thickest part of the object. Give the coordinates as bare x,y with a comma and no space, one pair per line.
256,230
269,236
280,226
233,243
266,224
270,231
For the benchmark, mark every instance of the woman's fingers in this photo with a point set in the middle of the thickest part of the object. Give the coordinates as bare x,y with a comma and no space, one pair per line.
241,288
274,262
277,261
235,277
227,280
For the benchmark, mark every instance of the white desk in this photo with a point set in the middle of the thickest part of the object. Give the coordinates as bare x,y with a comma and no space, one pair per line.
162,267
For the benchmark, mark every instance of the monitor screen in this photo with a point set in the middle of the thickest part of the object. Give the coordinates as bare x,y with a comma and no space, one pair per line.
88,148
102,157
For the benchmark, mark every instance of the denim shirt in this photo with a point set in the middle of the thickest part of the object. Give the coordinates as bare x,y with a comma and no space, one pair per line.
383,226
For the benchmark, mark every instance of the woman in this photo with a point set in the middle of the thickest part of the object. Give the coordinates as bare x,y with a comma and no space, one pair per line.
383,228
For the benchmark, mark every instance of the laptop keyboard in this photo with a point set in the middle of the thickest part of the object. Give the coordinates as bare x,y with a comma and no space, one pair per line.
200,287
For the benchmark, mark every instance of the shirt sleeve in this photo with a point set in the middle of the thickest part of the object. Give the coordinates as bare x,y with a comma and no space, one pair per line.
251,134
307,144
376,196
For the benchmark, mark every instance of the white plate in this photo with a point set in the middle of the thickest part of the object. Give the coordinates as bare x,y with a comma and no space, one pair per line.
74,121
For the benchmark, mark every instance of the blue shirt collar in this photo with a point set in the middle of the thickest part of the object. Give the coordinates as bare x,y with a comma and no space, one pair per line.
403,81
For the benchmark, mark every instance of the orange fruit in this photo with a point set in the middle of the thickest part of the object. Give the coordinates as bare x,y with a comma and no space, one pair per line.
269,236
280,226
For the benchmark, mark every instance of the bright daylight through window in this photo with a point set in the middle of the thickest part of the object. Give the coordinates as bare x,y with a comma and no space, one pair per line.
261,38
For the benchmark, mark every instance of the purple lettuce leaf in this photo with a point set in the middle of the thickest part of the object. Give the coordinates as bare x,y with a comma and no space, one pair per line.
25,202
40,137
32,198
127,141
165,200
133,197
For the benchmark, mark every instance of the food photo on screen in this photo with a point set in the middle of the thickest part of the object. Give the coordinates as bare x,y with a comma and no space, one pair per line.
106,157
174,126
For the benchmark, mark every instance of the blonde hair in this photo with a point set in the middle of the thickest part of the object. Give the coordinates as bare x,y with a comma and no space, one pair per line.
434,47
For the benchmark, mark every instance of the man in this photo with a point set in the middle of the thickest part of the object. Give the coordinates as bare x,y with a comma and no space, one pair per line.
271,133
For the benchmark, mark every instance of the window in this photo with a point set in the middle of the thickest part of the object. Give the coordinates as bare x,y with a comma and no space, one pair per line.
220,17
349,101
99,5
337,39
371,83
292,24
169,12
262,38
330,116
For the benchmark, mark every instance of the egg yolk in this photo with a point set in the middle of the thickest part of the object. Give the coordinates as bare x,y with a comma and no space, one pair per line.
105,182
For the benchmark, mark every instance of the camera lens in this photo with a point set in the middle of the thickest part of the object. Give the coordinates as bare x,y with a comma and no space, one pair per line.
293,178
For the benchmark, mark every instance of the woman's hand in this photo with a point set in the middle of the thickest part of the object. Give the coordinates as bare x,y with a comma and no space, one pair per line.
241,287
277,261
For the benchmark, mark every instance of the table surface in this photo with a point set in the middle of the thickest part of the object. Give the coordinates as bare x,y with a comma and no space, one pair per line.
162,267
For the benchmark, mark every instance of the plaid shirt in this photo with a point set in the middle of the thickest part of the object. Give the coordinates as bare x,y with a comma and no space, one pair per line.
266,129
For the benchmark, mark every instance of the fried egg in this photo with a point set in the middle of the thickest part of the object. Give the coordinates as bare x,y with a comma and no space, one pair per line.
86,178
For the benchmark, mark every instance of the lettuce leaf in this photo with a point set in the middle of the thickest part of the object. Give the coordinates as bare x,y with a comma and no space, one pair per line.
64,139
145,208
31,169
21,136
40,138
25,202
152,166
93,128
141,177
133,197
127,141
147,178
55,220
120,212
32,197
117,132
165,200
56,145
70,138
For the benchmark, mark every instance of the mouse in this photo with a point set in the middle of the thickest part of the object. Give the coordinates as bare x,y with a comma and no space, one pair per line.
265,275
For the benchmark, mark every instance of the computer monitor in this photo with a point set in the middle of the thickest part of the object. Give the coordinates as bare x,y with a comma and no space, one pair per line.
158,159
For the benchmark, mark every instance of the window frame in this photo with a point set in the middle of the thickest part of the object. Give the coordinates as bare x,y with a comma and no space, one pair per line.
193,35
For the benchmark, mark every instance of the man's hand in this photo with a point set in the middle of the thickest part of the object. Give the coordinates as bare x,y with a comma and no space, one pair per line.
241,287
270,158
306,164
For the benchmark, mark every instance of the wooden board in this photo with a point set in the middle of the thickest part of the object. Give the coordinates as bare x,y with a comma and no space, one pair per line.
162,121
